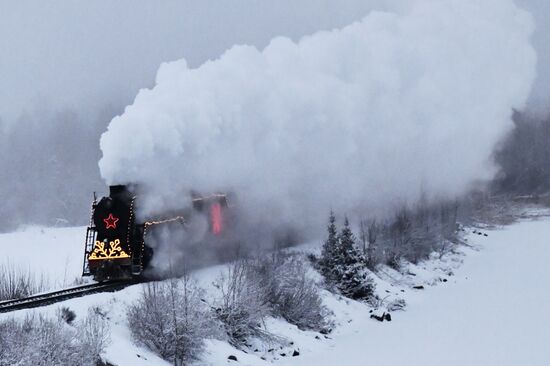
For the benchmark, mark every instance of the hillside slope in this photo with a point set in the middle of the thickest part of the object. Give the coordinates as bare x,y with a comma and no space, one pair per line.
493,312
487,307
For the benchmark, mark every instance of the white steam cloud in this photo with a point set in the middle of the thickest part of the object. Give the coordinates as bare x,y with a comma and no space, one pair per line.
362,116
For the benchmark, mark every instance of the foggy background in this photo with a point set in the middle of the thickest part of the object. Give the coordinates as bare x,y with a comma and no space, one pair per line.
68,67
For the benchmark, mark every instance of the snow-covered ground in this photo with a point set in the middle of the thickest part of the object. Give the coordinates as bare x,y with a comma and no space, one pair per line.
486,305
55,252
493,311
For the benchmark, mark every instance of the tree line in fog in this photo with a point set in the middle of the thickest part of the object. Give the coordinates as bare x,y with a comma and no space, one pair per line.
524,158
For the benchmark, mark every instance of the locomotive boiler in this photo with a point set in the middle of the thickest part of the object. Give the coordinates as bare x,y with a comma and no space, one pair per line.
116,246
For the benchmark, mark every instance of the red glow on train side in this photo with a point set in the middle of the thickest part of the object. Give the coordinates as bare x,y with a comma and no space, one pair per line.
216,218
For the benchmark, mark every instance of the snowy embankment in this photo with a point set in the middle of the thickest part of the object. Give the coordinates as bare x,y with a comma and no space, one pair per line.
57,253
487,306
491,312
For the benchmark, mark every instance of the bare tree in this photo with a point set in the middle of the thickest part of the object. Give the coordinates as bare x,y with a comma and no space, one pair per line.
373,232
363,235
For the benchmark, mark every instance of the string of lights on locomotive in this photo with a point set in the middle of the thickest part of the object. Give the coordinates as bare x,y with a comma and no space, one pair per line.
117,242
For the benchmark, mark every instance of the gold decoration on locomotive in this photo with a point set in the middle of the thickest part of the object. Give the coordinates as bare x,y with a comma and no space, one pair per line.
114,251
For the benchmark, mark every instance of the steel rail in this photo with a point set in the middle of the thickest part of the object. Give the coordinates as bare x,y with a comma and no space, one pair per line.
62,295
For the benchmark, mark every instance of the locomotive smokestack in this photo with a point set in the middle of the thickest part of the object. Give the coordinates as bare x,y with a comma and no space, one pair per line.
117,189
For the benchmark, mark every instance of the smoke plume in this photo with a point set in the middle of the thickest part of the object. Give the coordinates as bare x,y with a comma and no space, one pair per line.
359,117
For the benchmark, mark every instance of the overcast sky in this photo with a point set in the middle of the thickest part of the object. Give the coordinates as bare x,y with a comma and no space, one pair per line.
85,54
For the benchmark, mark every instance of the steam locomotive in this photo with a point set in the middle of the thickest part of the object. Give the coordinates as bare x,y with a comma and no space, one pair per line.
117,243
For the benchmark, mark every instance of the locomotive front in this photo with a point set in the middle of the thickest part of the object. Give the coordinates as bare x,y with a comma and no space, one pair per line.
110,249
116,247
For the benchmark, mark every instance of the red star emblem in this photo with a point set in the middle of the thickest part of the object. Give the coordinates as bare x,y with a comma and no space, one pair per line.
110,222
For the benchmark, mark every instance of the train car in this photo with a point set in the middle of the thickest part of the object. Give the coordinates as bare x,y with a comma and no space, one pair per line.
116,246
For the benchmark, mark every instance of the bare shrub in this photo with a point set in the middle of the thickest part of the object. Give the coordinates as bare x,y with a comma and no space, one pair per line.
94,334
290,293
11,342
40,341
16,283
171,320
242,307
52,344
412,234
275,285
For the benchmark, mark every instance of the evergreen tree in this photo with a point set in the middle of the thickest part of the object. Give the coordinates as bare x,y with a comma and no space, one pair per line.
342,263
329,255
354,281
348,251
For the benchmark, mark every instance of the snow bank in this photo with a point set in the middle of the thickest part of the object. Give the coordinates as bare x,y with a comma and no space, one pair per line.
490,311
55,254
360,116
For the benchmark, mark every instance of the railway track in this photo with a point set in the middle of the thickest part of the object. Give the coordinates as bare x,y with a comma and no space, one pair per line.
62,295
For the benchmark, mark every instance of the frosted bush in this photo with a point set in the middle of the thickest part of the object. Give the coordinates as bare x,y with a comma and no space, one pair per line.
170,319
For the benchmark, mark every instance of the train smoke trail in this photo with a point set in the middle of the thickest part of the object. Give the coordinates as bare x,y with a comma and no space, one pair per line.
362,116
